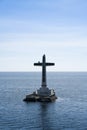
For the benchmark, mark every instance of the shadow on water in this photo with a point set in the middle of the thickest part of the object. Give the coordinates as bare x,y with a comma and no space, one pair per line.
45,117
39,115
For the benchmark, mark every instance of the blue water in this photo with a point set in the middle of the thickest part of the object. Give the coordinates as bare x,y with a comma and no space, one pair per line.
68,112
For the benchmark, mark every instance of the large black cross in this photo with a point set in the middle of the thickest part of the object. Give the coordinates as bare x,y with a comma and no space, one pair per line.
43,64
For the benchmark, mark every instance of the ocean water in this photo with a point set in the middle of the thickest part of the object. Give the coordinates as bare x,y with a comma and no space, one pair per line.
68,112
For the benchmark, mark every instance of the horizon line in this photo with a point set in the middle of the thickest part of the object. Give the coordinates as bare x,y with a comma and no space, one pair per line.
41,71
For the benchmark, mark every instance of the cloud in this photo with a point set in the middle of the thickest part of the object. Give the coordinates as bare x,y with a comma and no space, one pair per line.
28,29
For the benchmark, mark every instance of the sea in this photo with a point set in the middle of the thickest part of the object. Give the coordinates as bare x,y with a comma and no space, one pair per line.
68,112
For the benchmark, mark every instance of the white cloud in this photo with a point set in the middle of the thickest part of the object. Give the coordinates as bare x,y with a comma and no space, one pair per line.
52,27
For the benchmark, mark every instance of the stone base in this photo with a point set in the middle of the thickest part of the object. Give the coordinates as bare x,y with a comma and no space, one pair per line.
44,91
34,98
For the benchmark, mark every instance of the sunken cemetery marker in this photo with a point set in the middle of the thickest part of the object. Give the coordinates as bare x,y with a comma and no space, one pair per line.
43,94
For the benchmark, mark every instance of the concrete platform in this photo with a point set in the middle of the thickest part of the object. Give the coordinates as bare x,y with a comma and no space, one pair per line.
37,98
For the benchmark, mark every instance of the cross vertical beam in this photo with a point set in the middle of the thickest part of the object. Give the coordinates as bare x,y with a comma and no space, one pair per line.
44,71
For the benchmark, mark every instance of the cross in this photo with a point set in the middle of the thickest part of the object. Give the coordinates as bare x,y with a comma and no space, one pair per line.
44,64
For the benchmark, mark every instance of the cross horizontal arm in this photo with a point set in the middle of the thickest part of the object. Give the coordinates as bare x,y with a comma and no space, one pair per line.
38,64
46,64
50,64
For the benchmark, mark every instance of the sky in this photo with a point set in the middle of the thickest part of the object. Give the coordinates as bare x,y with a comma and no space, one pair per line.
31,28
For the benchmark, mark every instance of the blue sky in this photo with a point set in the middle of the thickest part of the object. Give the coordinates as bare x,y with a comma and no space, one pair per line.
29,29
